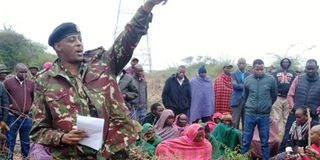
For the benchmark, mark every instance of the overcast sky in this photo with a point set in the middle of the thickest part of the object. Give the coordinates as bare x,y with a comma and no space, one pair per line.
182,28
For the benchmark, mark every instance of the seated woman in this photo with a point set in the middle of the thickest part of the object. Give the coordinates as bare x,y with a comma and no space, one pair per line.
274,141
181,123
215,119
192,146
298,135
226,135
148,139
164,127
153,116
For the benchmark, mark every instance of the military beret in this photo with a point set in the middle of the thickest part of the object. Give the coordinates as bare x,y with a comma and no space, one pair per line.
62,31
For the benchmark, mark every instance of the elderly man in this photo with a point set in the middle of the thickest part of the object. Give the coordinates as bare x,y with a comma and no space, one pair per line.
139,104
84,84
237,94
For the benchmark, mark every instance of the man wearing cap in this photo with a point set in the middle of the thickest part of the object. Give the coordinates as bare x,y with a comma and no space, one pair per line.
33,70
202,97
223,90
130,70
3,72
85,84
139,104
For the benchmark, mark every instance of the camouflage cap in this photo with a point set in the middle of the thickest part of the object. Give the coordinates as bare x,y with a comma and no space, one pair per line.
34,67
3,69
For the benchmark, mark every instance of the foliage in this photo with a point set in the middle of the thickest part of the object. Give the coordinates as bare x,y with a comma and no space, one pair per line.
15,48
234,154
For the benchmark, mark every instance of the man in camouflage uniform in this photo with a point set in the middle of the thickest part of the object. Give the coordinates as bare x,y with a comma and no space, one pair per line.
85,84
3,72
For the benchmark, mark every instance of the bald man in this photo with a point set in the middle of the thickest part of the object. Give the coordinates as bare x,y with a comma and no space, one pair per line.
20,90
237,107
139,104
312,152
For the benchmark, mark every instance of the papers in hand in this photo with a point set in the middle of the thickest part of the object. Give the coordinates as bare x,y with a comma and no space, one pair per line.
94,129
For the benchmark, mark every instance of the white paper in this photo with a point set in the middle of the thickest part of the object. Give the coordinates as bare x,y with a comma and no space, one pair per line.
94,129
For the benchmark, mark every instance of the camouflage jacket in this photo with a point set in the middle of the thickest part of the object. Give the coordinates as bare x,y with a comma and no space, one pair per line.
59,97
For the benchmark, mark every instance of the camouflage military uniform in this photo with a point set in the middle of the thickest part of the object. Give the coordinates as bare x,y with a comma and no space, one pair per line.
60,97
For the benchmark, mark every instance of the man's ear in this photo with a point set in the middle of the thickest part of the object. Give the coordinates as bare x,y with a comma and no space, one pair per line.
57,47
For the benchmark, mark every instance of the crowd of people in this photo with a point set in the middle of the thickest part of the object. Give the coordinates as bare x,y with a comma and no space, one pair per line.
198,119
275,117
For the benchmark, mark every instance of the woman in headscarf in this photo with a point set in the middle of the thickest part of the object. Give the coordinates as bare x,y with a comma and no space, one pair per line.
181,123
215,119
148,139
165,127
192,146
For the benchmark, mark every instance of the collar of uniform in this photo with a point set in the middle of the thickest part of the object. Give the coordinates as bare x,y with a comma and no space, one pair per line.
58,70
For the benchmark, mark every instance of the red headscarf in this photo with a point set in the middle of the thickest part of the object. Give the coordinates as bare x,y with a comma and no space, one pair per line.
184,147
211,124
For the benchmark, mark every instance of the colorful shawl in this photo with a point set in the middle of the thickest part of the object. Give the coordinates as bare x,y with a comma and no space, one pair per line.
202,98
274,140
298,134
316,148
167,132
180,128
149,146
223,91
184,148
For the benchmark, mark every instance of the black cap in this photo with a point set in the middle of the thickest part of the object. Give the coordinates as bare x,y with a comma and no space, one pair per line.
62,31
34,67
135,59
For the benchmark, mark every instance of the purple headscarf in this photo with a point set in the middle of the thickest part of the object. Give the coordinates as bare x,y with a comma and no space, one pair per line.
167,132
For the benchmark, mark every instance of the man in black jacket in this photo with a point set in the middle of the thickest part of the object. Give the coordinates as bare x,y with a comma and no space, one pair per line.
176,94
